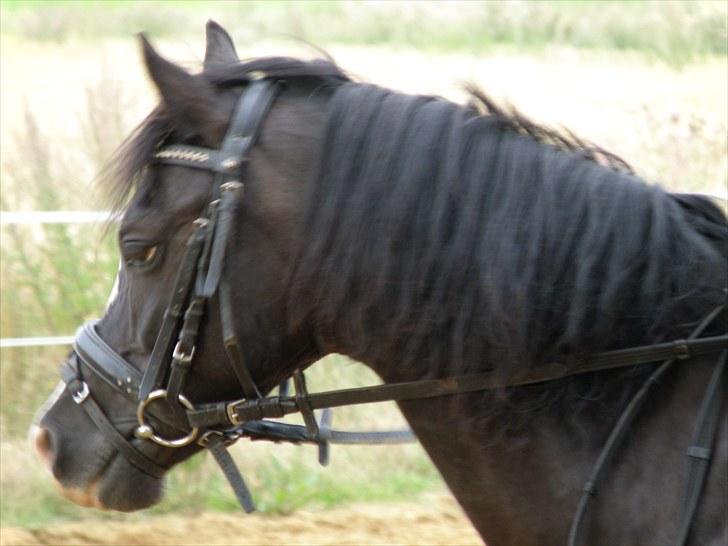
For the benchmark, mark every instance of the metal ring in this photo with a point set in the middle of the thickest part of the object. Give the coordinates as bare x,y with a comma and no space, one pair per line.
146,432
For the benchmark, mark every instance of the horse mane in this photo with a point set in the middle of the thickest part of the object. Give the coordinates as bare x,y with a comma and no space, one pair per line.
449,239
128,164
457,235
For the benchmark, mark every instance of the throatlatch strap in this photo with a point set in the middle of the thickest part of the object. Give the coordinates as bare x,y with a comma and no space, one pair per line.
232,347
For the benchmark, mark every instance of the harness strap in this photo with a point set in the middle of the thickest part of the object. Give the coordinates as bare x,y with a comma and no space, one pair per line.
232,346
620,430
216,444
211,271
81,395
154,374
701,450
182,355
285,432
239,411
243,131
115,370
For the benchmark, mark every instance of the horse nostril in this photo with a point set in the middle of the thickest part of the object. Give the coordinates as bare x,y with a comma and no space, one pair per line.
41,439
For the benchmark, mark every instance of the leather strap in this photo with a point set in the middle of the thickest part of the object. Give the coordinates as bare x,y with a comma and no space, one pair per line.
106,363
285,432
246,125
618,433
240,411
182,356
81,395
700,451
216,444
230,195
156,369
232,346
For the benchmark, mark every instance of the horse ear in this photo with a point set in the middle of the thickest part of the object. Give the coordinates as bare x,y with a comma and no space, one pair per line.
220,49
190,100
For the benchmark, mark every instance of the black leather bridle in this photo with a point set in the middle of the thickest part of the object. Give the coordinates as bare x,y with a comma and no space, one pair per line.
217,425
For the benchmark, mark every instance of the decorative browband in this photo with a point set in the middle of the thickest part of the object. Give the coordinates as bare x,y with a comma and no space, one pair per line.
189,156
182,153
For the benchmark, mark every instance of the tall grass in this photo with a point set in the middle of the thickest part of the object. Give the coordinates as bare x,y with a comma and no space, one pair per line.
53,277
676,32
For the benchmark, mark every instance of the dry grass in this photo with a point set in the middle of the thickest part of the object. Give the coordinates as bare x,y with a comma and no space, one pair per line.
670,123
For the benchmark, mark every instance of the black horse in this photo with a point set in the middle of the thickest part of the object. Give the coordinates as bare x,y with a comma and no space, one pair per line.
425,239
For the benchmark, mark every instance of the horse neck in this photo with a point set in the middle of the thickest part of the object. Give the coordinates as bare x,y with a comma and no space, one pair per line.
521,486
514,490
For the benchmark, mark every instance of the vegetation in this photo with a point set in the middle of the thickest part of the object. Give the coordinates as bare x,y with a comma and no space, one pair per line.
53,277
675,31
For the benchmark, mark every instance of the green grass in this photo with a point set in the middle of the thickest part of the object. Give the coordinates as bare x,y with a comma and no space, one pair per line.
280,485
675,32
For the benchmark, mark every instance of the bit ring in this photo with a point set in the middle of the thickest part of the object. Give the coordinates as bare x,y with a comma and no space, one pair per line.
146,432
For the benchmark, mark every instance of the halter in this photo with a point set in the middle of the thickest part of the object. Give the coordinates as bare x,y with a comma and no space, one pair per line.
216,426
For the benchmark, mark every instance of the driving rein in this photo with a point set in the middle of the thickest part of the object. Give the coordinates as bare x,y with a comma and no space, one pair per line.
215,426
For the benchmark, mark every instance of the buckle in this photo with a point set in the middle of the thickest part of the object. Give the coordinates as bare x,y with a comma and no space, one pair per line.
232,414
179,355
80,396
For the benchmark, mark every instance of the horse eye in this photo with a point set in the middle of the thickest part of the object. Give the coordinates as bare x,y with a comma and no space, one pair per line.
139,253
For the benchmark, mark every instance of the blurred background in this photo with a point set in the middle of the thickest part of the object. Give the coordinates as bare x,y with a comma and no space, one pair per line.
647,81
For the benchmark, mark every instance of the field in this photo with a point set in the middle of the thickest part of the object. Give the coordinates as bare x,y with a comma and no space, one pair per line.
648,81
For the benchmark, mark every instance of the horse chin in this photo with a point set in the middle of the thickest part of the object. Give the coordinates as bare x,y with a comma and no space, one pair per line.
84,497
124,488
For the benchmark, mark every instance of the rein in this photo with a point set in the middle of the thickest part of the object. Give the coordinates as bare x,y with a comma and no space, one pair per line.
216,426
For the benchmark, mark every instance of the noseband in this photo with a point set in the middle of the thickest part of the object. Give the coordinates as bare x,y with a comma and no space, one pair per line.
215,426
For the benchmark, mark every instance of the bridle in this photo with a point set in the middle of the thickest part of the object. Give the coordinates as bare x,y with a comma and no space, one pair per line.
217,425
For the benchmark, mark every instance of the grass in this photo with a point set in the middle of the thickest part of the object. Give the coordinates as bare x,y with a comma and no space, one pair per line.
667,118
675,32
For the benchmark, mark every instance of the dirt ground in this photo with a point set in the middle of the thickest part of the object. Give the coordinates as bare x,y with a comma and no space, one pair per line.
433,520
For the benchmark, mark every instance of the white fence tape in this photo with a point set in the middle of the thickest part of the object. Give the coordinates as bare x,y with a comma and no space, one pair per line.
13,342
54,217
47,217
